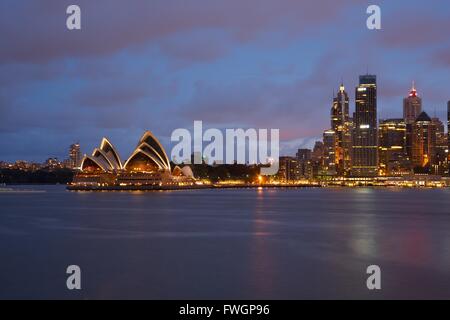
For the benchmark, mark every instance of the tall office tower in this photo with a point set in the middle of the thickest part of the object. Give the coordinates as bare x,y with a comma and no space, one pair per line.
423,141
74,156
440,151
340,124
329,162
317,158
391,149
317,153
303,154
412,107
365,139
288,170
305,164
448,129
441,140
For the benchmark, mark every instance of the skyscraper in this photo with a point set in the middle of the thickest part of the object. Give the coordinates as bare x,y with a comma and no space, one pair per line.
303,154
289,169
317,153
423,141
392,153
341,125
329,163
304,163
440,132
317,158
440,151
74,156
448,129
412,107
365,137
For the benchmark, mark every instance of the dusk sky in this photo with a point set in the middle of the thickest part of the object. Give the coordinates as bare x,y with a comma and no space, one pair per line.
160,65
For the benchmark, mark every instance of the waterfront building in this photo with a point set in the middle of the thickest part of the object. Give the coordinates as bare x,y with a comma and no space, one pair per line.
441,139
392,148
303,154
423,142
74,156
412,107
316,162
341,125
21,165
448,130
148,165
53,163
317,153
441,149
288,169
365,137
329,160
307,167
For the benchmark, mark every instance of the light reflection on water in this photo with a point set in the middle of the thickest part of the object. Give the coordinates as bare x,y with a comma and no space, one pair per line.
227,244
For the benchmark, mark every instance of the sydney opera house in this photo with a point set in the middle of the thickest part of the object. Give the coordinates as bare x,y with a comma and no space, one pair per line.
147,167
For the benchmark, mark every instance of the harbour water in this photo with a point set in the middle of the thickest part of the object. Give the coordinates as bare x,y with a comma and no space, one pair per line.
305,243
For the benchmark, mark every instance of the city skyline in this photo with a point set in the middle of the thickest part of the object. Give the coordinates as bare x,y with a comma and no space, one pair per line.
344,128
279,62
225,155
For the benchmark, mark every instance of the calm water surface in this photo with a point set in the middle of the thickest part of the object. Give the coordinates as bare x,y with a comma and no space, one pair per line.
226,244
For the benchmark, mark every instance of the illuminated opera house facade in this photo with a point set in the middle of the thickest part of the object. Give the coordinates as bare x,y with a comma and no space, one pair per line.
148,166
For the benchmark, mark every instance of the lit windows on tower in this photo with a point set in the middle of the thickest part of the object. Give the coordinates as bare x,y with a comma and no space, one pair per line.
365,140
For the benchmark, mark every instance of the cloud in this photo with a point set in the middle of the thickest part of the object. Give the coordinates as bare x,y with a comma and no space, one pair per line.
262,104
415,26
159,65
441,58
202,47
35,31
110,95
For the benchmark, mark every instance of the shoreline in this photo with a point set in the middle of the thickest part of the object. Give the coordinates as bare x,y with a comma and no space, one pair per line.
174,188
217,187
6,188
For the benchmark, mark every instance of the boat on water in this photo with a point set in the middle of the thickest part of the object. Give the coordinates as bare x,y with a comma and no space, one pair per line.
12,190
3,189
